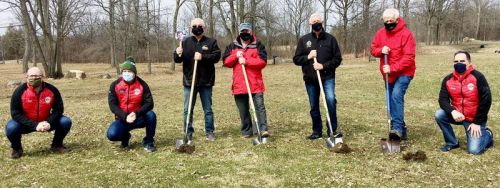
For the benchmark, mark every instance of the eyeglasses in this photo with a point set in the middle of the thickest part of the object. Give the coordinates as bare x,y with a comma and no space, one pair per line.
459,61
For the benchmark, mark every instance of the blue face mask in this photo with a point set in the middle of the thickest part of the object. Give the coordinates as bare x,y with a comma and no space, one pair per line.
460,67
128,76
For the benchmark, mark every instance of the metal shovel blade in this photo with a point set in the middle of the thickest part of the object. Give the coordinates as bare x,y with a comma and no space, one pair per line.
330,143
183,146
390,146
262,140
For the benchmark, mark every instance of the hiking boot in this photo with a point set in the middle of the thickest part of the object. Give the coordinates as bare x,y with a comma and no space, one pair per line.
125,144
314,136
265,134
149,148
337,137
491,144
60,149
16,153
447,148
210,136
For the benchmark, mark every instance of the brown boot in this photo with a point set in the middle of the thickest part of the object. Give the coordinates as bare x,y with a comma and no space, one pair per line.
16,153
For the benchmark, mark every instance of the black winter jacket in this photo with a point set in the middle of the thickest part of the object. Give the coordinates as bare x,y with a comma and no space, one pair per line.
328,54
211,54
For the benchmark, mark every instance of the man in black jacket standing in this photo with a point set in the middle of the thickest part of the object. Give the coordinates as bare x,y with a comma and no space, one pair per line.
36,106
322,46
206,51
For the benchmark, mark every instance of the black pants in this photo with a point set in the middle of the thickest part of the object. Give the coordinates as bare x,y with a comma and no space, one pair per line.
243,105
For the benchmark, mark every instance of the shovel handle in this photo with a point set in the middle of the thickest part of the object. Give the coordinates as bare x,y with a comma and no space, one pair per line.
250,98
387,96
322,92
190,103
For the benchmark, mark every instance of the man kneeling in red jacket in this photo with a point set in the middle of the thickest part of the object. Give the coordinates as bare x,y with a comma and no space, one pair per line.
36,106
465,99
131,101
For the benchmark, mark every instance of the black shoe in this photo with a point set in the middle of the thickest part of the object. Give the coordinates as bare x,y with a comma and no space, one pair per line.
447,148
265,134
491,144
395,135
16,153
126,143
60,149
149,148
314,136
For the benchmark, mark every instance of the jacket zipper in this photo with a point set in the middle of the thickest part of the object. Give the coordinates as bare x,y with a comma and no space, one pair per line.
128,96
38,107
462,92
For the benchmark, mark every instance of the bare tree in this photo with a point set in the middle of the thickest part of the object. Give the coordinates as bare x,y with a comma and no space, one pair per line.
326,5
298,12
343,7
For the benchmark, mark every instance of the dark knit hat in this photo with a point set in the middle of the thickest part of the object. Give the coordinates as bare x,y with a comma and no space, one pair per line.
129,64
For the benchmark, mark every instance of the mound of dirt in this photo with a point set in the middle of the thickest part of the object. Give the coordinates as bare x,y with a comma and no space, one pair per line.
341,148
418,156
185,148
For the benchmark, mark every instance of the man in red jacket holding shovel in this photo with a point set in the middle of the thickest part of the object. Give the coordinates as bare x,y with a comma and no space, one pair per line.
248,51
397,42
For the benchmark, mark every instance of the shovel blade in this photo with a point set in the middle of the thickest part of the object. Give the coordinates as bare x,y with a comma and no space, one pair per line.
329,143
260,141
390,146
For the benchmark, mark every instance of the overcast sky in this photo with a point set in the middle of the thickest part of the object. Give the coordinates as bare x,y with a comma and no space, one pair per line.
6,18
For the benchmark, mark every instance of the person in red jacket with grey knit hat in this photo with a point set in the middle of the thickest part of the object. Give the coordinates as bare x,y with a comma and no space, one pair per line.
248,51
465,99
131,101
396,41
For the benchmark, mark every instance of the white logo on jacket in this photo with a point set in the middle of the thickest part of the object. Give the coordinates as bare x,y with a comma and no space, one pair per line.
47,100
137,91
470,86
308,44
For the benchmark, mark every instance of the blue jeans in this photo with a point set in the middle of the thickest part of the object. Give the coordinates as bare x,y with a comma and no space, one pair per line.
474,145
397,91
206,103
119,130
242,102
313,92
14,132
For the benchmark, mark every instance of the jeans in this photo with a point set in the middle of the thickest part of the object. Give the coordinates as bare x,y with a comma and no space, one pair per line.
14,132
397,91
474,145
313,92
206,102
242,102
119,130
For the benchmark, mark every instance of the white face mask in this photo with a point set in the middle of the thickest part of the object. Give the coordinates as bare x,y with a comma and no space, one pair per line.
128,76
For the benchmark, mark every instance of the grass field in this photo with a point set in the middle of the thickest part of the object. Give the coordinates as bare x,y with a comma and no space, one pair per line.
288,160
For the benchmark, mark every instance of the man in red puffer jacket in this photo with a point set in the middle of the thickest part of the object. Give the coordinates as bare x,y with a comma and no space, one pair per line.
36,106
131,101
396,41
247,50
465,99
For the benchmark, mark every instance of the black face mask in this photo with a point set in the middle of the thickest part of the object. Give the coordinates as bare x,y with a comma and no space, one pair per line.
317,26
245,36
460,67
390,26
197,30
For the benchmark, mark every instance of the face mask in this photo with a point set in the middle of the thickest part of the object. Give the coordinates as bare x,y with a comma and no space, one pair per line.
35,82
317,26
390,26
245,36
460,67
128,76
197,31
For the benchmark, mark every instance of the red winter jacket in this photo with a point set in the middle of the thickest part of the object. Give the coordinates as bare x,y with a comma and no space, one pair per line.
125,98
468,93
29,108
256,59
402,53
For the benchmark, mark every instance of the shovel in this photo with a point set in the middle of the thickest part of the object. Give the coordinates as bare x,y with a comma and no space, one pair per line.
389,145
185,145
259,140
330,143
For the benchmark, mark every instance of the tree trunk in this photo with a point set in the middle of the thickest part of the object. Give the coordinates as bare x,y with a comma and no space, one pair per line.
241,11
178,4
211,22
